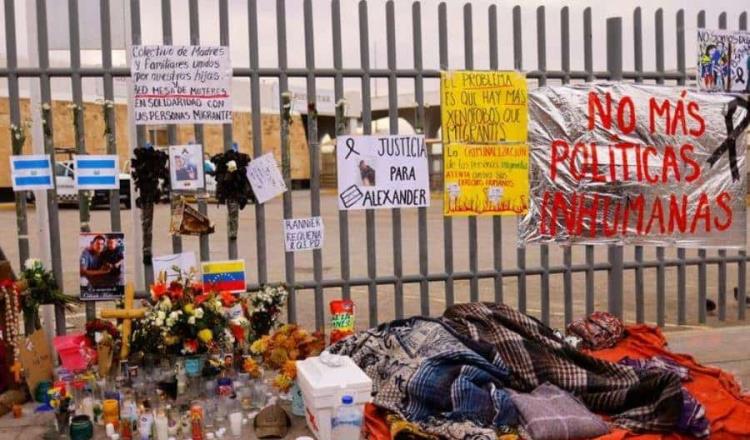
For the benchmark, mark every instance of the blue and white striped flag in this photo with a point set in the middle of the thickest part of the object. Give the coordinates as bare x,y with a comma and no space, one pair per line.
97,172
31,172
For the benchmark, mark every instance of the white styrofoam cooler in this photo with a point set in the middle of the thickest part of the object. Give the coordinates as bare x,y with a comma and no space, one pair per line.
323,387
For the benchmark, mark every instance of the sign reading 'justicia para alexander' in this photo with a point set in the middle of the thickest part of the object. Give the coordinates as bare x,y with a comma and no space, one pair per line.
636,164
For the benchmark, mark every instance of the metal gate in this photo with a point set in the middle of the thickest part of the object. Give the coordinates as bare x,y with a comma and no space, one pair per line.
562,280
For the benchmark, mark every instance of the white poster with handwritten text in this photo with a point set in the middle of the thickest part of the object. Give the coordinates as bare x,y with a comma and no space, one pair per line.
303,234
265,178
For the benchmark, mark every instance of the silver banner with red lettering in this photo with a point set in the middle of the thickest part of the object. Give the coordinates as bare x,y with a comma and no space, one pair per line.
617,163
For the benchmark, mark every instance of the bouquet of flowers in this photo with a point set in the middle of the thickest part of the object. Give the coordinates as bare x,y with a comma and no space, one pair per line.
280,350
263,308
184,319
38,286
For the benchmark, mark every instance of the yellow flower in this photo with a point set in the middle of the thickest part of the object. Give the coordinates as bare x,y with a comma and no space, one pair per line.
289,369
260,346
171,340
188,308
205,335
282,382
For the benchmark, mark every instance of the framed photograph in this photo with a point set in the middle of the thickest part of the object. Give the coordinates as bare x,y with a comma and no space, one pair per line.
186,167
102,265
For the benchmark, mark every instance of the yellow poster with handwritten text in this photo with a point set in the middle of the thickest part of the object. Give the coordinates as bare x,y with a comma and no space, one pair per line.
483,107
486,179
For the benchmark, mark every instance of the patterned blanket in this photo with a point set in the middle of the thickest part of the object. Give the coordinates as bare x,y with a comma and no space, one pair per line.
637,399
423,371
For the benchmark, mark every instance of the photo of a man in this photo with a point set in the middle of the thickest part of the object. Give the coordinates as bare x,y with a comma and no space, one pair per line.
102,261
366,173
185,173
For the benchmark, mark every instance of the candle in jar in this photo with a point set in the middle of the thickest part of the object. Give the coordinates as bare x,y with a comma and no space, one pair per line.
162,427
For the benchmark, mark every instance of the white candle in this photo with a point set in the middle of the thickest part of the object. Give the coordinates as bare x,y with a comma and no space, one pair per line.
162,427
235,423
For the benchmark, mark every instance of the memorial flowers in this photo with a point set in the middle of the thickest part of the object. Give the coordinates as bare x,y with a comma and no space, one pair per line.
264,307
280,350
37,286
150,175
232,186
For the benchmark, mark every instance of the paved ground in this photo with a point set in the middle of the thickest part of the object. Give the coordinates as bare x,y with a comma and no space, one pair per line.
384,263
717,347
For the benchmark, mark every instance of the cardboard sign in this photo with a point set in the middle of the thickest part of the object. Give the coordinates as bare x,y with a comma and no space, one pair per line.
302,234
96,172
166,264
265,178
635,164
486,179
483,107
31,172
36,359
382,172
723,58
186,167
181,84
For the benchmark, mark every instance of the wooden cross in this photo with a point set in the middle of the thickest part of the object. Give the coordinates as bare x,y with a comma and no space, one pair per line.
16,369
127,314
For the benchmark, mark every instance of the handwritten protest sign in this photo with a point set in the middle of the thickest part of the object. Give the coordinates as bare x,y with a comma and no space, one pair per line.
723,60
635,164
302,234
483,107
382,172
35,355
265,178
181,84
169,267
486,179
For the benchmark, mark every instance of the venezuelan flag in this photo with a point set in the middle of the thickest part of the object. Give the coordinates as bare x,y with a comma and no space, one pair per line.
224,276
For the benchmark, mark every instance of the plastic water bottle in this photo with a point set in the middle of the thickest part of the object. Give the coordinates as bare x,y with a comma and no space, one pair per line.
347,423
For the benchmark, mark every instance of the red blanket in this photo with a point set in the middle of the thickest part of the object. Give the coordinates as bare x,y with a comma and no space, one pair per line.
726,408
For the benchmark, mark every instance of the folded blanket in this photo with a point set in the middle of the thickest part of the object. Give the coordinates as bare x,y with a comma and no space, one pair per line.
549,413
422,371
533,354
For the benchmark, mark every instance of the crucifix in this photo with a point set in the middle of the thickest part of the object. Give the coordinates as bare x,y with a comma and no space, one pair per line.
127,314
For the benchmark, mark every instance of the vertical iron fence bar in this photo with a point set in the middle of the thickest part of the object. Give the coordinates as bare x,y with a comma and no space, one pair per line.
424,268
14,103
398,268
567,250
541,50
166,30
742,265
109,96
638,62
447,221
660,294
286,159
140,130
722,252
84,214
364,51
195,40
472,220
341,124
226,129
702,275
681,253
615,257
588,64
497,221
314,149
45,88
260,209
520,249
639,309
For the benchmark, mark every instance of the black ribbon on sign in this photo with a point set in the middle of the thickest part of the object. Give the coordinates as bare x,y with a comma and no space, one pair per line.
730,143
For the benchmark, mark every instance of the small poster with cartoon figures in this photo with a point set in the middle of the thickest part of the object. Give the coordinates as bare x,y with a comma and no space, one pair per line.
723,61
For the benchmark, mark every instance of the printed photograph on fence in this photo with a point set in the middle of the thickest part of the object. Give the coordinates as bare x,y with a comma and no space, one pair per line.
303,234
265,178
636,164
723,60
486,179
483,107
168,267
186,167
102,268
382,172
224,276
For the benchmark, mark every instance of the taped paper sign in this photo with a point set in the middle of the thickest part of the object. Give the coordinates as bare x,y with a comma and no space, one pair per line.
181,84
35,355
723,60
486,179
483,107
165,265
265,178
97,172
635,164
31,172
303,234
382,172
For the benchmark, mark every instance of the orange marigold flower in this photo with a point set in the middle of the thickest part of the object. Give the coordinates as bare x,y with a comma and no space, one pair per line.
283,383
